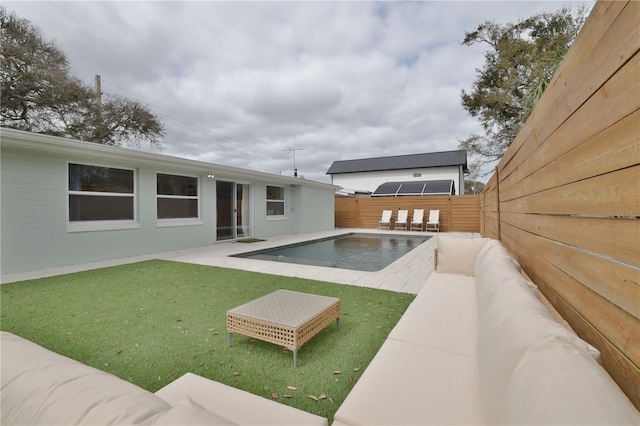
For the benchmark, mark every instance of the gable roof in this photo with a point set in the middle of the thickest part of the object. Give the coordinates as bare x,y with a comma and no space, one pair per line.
399,162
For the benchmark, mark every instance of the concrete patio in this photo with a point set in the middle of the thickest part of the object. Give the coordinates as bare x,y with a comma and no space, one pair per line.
406,275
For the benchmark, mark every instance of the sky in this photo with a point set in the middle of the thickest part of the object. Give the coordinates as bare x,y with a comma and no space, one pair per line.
271,85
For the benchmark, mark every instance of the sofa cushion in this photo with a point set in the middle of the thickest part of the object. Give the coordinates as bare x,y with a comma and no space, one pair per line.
188,412
493,268
442,316
558,383
231,403
498,250
407,384
42,387
510,323
458,255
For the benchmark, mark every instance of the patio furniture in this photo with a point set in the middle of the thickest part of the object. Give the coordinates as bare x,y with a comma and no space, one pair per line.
385,220
42,387
417,221
401,223
286,318
433,224
477,346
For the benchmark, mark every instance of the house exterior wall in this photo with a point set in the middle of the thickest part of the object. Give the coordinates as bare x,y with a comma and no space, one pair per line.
308,209
369,181
35,230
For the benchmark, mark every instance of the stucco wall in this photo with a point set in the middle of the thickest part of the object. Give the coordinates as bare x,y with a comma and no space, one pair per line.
35,233
34,218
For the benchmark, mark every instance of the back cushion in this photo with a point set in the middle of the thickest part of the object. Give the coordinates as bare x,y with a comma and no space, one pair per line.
493,268
512,319
458,255
558,383
42,387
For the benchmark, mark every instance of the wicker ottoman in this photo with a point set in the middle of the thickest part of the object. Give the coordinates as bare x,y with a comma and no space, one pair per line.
286,318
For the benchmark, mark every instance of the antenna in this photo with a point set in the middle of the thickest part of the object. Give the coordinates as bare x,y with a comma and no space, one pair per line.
289,149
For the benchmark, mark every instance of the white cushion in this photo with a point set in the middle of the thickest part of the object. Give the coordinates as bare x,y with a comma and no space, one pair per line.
188,412
442,316
458,255
497,249
231,403
407,384
558,383
510,323
42,387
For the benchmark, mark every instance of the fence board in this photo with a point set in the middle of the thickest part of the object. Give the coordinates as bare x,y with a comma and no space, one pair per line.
606,317
616,281
599,52
585,160
601,196
615,238
459,213
568,191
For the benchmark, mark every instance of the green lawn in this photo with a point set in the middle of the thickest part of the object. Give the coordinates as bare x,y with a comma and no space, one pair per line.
151,322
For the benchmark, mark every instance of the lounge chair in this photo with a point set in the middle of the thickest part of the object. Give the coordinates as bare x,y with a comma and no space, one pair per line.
385,220
401,223
417,221
433,224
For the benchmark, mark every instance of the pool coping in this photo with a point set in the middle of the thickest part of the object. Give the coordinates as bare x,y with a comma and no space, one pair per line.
407,274
301,261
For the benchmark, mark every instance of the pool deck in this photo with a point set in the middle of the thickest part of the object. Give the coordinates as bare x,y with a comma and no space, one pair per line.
406,275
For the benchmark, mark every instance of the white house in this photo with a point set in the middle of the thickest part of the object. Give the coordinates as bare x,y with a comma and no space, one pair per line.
438,172
66,202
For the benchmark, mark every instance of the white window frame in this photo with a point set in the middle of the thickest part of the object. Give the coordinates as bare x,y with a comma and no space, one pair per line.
102,225
183,221
283,201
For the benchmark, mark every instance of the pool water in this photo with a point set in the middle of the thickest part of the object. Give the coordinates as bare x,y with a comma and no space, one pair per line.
360,252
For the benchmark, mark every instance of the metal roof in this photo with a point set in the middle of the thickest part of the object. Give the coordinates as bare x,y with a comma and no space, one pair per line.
398,162
415,187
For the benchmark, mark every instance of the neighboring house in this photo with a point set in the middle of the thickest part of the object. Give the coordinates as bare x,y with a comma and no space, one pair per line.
66,202
437,170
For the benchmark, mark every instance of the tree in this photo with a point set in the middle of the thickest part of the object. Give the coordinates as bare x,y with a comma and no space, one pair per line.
39,94
519,64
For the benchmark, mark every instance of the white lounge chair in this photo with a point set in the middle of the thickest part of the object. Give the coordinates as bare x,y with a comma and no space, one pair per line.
417,221
385,220
433,224
401,223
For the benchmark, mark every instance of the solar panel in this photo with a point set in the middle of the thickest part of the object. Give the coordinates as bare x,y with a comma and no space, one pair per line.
388,189
411,188
438,187
415,187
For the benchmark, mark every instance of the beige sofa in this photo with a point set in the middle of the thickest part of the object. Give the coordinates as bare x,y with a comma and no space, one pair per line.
40,387
478,346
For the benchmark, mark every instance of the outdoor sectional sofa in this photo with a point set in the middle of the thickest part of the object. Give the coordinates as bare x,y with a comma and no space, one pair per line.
478,346
45,388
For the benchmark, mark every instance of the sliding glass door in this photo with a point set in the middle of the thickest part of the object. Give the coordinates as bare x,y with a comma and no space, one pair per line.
233,210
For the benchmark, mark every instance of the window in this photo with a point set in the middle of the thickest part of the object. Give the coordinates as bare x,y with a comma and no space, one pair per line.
177,197
100,194
275,201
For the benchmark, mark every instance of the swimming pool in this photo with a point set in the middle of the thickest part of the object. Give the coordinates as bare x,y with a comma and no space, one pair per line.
360,252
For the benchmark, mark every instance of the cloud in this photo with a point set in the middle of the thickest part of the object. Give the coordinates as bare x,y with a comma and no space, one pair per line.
240,83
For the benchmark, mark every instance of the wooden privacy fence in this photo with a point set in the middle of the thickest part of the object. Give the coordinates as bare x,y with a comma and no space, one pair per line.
457,213
565,198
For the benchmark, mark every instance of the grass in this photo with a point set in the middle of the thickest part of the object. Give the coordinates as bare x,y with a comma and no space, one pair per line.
151,322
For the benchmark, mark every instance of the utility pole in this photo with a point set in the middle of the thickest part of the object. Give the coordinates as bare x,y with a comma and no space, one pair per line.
98,108
295,170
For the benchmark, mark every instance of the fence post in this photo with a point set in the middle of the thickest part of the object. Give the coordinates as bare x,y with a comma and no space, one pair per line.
498,204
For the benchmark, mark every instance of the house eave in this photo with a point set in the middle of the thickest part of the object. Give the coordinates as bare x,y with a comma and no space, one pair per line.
18,139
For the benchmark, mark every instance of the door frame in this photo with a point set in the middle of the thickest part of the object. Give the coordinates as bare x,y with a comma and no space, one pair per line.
234,206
